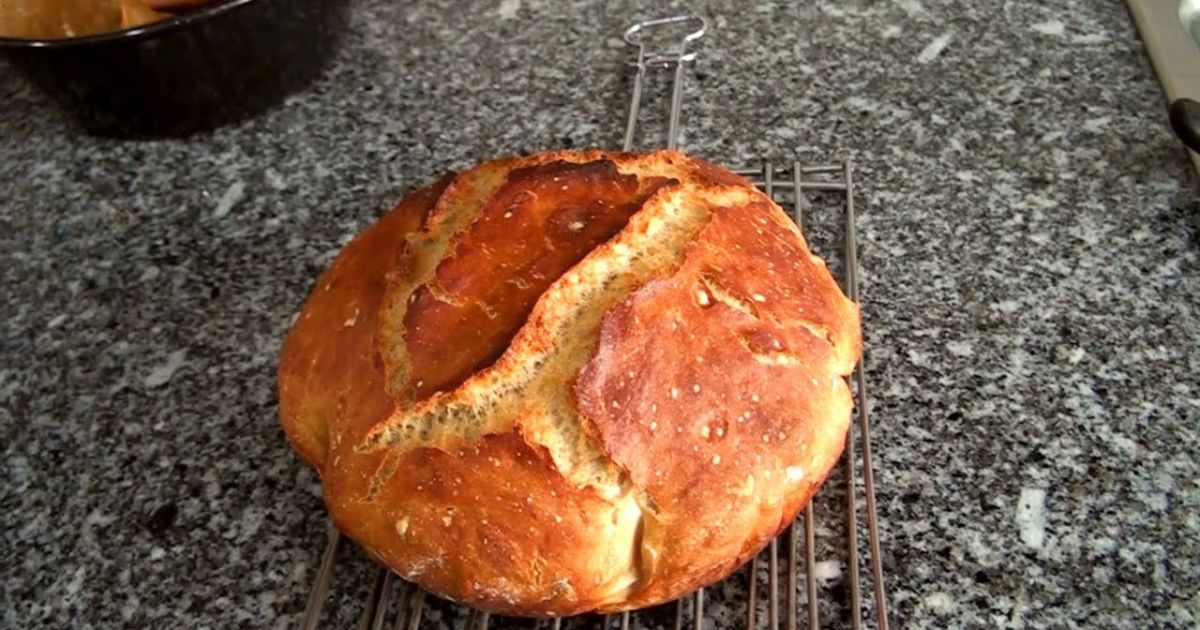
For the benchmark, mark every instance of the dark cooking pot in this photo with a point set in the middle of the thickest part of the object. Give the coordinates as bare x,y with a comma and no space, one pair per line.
190,73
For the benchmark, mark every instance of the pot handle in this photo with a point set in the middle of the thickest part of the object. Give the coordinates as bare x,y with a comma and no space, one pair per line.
1184,114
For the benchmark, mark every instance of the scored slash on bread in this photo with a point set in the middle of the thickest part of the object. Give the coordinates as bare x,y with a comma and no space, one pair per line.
573,381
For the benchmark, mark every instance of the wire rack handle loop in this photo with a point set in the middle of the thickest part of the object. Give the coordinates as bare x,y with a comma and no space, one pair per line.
674,55
679,52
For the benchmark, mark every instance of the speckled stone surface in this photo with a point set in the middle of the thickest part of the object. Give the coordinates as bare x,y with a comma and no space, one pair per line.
1030,276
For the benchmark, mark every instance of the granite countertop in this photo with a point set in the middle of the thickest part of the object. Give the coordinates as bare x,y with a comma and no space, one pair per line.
1030,276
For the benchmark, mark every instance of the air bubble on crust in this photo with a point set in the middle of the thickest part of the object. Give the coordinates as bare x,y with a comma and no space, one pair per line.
795,474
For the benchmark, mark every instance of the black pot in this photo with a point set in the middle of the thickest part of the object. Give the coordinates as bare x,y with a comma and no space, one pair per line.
190,73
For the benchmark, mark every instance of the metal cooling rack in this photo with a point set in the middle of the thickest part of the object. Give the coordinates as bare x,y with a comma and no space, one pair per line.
787,184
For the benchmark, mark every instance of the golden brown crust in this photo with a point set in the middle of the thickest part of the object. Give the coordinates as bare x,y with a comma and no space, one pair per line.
712,389
658,394
331,345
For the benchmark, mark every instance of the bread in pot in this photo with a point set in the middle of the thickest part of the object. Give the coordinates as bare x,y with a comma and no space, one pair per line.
572,382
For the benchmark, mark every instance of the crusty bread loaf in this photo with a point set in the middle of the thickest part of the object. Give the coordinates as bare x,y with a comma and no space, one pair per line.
52,19
571,382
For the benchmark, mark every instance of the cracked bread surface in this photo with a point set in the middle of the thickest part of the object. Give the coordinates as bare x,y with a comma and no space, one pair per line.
571,382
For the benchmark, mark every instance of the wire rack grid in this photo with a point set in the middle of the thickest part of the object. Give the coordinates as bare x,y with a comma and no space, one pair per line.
394,603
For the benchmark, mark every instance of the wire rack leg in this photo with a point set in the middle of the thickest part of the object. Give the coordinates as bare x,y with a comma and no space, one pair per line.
418,607
676,106
792,545
316,599
864,416
635,102
385,600
376,604
773,585
810,568
851,500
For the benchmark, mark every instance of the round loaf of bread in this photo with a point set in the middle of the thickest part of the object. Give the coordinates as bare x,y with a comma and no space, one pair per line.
572,382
